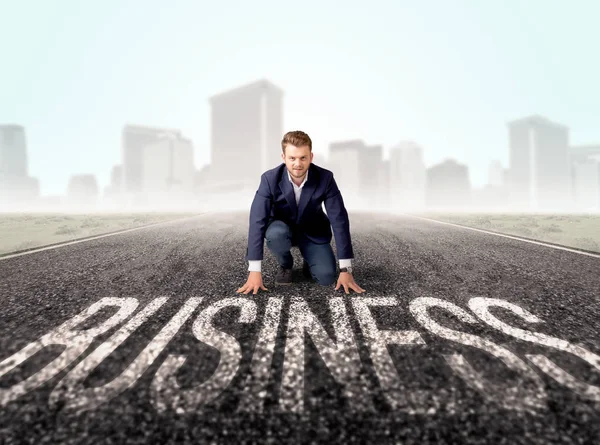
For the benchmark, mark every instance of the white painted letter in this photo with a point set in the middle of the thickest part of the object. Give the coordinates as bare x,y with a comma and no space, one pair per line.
400,398
71,389
76,341
256,383
480,306
341,357
527,394
166,392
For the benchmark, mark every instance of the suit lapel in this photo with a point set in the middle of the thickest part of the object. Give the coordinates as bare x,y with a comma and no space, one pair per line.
288,191
307,191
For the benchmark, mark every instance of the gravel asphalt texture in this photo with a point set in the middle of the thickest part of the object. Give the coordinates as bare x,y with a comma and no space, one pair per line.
300,399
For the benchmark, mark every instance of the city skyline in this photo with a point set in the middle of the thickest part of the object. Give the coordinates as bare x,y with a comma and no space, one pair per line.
449,80
325,160
545,172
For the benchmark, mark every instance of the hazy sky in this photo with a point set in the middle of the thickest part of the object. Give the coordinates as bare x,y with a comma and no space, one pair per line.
447,74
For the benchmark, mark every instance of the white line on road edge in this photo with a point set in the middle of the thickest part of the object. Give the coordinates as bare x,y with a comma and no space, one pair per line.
594,255
55,246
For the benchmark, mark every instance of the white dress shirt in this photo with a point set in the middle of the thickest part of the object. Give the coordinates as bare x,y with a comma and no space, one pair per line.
255,265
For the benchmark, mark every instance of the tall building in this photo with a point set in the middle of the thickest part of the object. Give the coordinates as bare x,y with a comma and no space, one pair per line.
134,139
246,133
13,152
407,176
168,170
82,192
493,195
113,193
586,184
585,176
382,199
584,152
156,161
539,164
344,161
16,186
116,179
374,177
448,185
495,174
359,173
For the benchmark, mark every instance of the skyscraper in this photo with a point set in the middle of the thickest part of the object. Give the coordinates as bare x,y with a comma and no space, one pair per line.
116,179
113,196
82,192
134,139
585,176
168,170
584,152
448,185
16,187
359,173
156,160
13,152
344,161
495,174
539,164
407,176
246,133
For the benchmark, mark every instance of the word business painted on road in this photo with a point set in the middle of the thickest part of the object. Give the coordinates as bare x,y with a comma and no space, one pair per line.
340,354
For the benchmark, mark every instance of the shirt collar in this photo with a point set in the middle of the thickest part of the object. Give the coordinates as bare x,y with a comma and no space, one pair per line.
293,183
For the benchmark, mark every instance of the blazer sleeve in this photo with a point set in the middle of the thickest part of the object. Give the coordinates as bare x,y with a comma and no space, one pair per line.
338,217
259,217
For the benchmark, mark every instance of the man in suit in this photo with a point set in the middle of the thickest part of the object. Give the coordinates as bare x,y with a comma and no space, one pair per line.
287,211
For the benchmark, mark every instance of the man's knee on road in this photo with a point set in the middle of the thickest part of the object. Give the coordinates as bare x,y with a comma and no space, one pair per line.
278,231
324,276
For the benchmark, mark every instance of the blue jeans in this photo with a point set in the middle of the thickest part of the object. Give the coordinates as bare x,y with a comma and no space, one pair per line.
319,257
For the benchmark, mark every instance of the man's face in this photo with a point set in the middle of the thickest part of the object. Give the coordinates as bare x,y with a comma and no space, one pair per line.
297,160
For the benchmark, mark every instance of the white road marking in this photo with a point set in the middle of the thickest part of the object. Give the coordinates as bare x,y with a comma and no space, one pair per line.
341,357
526,394
68,243
540,243
71,388
400,398
76,341
255,385
166,392
480,306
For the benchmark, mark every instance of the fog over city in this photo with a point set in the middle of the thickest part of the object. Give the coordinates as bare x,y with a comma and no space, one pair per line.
466,115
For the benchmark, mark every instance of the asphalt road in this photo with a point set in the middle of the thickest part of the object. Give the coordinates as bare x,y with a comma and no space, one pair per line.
140,337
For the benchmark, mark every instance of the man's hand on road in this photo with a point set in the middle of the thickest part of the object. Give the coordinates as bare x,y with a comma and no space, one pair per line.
347,280
253,283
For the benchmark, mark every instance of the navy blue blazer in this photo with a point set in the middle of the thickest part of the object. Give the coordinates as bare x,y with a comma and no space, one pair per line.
275,200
